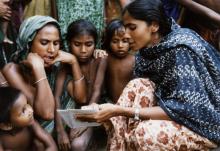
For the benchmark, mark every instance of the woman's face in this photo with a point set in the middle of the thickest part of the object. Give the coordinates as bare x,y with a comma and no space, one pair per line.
82,47
21,113
46,43
140,32
120,43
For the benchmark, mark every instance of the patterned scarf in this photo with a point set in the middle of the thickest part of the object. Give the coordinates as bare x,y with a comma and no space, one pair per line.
186,70
27,32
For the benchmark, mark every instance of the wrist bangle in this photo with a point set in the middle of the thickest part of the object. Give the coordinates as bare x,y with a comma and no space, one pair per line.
79,79
136,114
40,80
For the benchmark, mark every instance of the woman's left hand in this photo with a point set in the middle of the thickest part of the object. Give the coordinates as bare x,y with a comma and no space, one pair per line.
106,111
64,57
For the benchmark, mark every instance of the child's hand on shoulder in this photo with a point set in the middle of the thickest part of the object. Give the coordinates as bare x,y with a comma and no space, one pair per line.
99,53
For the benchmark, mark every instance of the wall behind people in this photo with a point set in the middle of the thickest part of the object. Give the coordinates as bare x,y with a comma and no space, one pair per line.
70,10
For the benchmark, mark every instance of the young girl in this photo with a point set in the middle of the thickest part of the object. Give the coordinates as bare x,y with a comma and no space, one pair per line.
82,38
120,62
18,129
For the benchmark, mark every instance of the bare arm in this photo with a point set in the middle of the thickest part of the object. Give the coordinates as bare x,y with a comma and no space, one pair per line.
106,111
99,81
62,137
78,83
78,86
201,10
44,137
154,113
58,91
12,74
41,98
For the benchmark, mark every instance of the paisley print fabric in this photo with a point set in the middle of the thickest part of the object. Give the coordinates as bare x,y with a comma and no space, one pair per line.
186,72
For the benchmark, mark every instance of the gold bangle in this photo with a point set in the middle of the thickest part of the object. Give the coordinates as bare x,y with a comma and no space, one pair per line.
80,79
40,80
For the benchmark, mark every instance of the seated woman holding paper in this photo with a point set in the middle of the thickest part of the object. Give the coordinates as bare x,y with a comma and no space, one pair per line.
177,94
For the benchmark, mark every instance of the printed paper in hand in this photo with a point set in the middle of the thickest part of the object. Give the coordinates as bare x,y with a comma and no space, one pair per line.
69,117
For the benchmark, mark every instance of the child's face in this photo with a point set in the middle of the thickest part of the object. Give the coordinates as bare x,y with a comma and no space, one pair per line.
82,47
21,112
120,43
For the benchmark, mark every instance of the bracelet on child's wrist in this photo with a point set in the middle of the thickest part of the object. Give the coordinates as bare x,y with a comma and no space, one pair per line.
79,79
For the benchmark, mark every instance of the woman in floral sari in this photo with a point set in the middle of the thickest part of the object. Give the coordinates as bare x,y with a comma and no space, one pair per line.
174,104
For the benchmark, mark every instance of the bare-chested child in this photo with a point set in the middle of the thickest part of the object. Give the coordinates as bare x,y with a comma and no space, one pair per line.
18,129
81,38
120,62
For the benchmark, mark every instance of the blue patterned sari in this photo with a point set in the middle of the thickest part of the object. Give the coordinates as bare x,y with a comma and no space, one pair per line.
186,71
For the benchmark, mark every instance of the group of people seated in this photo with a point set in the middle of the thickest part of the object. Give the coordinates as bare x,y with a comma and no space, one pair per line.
161,84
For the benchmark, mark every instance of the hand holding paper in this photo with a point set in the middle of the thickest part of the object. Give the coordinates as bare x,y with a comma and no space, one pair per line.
69,117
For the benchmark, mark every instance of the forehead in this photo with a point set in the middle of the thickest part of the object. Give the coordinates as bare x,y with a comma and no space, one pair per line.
119,32
48,31
19,103
83,37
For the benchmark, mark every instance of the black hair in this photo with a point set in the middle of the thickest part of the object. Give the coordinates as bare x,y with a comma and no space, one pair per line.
81,27
114,26
149,11
8,96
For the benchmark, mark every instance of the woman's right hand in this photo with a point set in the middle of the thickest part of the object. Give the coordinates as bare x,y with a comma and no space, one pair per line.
33,61
63,141
65,57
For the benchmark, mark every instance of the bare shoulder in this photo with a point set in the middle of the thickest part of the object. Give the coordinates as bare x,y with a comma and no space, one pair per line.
212,4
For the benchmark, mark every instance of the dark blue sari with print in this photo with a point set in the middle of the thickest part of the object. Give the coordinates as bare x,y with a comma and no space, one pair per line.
186,71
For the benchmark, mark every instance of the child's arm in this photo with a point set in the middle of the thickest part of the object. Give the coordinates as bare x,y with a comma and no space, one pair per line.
201,10
62,138
43,137
99,81
78,85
